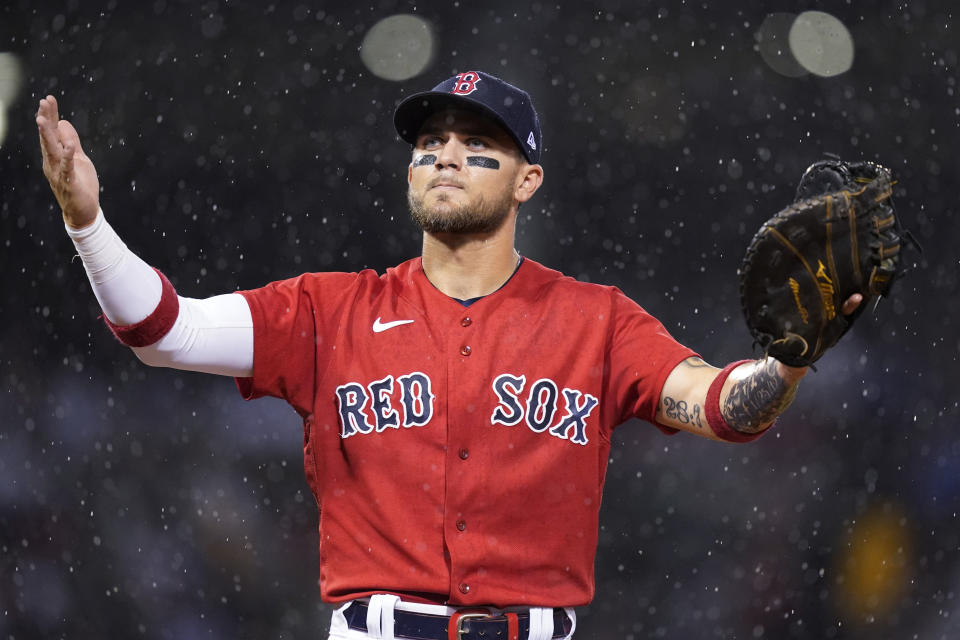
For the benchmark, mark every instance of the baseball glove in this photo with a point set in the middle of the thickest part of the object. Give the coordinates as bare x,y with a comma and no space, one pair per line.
839,237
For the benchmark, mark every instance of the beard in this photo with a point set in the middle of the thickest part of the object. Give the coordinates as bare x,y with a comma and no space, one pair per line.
444,216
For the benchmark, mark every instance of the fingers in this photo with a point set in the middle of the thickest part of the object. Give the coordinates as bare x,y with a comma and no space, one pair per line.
66,164
59,141
48,109
850,304
69,137
47,119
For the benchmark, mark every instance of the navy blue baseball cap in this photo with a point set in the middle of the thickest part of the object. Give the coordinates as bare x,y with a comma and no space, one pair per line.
502,102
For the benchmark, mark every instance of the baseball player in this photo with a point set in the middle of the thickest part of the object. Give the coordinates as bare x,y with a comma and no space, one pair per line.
458,409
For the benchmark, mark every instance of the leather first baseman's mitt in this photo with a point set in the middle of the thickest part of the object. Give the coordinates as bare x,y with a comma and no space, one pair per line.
839,237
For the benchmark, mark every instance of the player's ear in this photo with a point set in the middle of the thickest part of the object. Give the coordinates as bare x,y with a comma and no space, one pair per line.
529,179
410,172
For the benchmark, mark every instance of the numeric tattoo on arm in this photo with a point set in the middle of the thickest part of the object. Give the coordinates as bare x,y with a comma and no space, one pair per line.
756,400
682,412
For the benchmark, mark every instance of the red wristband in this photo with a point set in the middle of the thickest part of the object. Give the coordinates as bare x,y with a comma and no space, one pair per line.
715,417
154,326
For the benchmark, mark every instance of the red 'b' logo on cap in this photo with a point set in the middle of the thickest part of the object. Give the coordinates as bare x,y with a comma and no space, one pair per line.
466,83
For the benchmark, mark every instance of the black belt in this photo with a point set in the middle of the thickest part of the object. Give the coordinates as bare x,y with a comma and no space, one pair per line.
427,626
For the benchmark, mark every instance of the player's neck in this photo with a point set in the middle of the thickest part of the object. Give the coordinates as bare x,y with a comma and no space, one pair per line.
470,266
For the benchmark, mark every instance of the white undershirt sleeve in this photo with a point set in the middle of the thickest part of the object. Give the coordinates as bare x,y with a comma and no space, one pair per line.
127,289
214,335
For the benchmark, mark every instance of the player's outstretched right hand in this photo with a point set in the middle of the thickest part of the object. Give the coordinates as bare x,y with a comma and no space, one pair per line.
69,171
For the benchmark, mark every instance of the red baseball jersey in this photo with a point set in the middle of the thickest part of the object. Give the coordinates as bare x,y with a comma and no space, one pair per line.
457,453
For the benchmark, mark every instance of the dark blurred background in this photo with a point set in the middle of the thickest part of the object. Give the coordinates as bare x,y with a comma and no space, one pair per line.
239,143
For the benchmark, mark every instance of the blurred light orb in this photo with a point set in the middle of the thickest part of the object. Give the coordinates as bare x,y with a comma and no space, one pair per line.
774,46
875,565
821,43
398,48
11,78
3,123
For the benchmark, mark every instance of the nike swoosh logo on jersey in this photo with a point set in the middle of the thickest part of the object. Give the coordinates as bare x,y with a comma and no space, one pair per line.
383,326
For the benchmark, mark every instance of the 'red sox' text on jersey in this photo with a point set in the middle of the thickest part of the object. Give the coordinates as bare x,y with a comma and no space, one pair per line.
457,453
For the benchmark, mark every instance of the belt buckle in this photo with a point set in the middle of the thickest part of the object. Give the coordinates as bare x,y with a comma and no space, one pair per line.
468,616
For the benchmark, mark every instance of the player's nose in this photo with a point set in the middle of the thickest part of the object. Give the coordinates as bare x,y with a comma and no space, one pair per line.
451,155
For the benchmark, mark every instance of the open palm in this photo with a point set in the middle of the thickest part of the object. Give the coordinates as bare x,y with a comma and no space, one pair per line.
71,174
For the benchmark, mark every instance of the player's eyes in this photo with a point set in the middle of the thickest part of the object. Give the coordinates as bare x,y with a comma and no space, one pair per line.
434,142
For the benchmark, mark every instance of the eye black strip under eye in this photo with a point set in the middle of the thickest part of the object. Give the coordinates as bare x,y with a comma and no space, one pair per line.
482,161
424,160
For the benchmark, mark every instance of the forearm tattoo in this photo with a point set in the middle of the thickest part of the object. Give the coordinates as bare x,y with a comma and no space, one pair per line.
756,400
684,411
